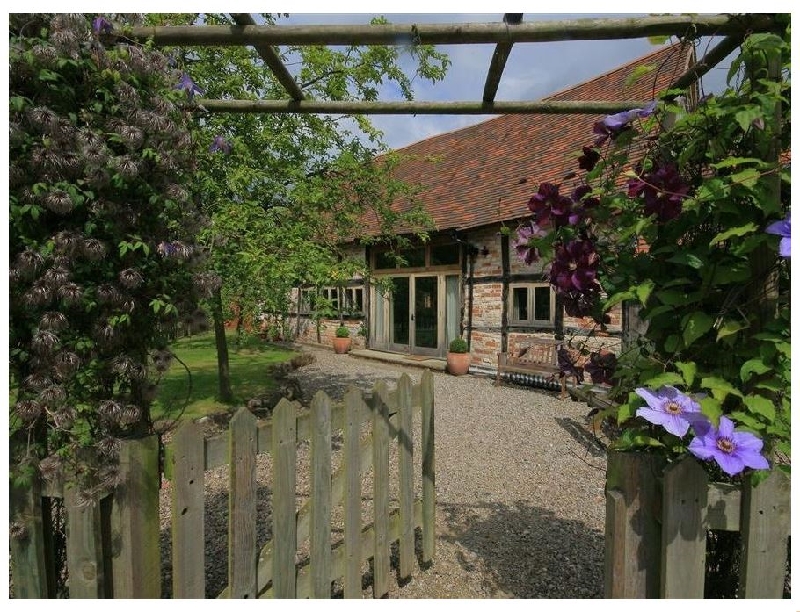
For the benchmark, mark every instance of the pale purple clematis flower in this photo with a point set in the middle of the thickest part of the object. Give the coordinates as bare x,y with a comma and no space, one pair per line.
101,25
188,85
784,230
620,120
732,450
670,408
220,145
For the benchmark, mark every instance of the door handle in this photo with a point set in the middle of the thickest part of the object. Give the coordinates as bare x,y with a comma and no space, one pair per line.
412,317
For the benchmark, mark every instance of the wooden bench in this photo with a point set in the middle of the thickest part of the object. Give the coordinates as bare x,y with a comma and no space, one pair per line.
538,356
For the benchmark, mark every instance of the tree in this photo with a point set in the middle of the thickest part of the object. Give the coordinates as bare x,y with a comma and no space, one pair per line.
284,191
101,239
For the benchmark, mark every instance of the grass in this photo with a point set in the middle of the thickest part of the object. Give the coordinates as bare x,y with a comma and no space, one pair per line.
249,373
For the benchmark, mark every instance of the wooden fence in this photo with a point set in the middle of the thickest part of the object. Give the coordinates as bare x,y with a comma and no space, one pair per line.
114,557
657,521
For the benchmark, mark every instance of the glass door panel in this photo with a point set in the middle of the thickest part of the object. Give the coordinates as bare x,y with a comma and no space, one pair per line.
426,307
400,311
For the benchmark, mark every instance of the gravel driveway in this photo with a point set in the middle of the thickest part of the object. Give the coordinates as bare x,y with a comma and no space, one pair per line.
519,482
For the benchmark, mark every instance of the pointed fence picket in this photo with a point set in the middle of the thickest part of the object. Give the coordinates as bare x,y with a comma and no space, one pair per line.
272,571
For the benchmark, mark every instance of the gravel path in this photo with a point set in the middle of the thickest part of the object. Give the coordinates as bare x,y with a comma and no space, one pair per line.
519,483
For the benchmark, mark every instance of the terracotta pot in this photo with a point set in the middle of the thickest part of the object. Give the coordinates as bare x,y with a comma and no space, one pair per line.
341,345
458,363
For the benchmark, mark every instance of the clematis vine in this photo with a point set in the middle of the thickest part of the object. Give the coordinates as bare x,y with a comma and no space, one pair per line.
670,408
220,145
732,450
614,125
188,85
784,230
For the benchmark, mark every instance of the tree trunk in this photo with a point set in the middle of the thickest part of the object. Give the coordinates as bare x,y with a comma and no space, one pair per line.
223,366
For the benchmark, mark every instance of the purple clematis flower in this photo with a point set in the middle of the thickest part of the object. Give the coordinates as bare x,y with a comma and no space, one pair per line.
220,145
620,120
732,450
670,408
188,85
784,230
527,253
575,267
589,159
662,189
101,25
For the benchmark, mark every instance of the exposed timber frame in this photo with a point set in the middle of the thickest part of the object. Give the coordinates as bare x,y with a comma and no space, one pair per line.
265,37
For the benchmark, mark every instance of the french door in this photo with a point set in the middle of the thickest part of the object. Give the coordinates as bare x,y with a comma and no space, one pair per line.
419,316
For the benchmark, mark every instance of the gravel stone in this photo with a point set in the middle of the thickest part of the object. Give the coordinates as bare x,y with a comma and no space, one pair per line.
520,482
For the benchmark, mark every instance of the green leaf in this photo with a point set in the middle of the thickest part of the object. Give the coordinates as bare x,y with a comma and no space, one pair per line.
688,369
761,405
695,325
711,407
719,387
746,117
746,419
748,177
753,366
671,343
643,291
735,161
665,378
687,259
741,230
729,328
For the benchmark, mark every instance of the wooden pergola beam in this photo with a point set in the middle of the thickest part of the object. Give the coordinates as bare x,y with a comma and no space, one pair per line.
271,59
499,58
450,34
415,108
713,57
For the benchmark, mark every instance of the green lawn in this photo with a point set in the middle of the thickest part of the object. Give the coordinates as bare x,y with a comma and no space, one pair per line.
249,368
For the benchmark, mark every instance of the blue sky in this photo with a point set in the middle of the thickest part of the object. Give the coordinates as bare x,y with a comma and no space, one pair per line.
533,70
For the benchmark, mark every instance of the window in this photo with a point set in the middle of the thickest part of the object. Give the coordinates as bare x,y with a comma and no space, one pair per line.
532,304
439,254
327,299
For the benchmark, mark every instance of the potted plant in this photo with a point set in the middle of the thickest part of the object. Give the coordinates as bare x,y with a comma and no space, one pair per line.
342,340
458,357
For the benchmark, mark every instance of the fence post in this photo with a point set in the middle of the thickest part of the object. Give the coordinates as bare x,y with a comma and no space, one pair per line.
405,440
633,528
242,543
136,554
765,529
380,487
85,563
428,469
683,547
353,403
188,513
284,523
320,536
27,547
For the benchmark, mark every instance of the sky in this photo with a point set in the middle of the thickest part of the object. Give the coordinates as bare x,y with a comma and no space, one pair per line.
533,70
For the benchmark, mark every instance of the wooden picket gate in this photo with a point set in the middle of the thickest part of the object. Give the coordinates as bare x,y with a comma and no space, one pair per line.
657,521
112,546
272,571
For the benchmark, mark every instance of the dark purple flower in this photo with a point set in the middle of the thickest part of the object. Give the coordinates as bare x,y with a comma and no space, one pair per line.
602,366
574,266
670,408
527,253
188,85
732,450
589,159
662,189
784,230
221,145
101,25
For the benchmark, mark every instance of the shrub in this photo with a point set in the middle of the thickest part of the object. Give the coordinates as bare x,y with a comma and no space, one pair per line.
342,331
459,345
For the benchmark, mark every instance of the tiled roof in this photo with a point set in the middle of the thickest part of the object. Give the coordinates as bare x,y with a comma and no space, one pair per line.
486,173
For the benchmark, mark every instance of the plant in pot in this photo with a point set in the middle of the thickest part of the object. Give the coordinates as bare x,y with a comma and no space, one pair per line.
458,357
342,340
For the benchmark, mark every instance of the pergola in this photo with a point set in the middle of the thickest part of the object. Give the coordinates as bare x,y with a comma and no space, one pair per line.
264,38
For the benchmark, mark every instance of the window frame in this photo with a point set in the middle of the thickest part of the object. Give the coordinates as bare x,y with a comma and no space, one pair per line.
531,305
